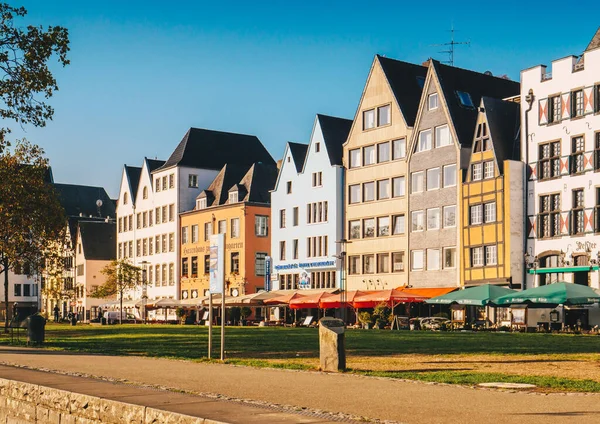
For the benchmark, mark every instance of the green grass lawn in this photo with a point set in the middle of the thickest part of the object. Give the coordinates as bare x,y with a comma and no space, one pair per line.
282,347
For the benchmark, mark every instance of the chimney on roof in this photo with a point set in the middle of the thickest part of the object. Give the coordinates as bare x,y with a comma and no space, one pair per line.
279,162
426,63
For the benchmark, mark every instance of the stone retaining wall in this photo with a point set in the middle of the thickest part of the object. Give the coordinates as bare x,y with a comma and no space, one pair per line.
31,403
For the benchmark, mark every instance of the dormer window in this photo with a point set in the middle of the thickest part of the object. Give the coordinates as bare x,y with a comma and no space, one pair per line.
233,197
201,203
125,198
465,99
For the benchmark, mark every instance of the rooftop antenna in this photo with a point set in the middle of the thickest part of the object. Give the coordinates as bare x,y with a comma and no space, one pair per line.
450,48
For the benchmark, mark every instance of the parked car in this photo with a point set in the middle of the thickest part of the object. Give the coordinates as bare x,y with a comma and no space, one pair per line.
112,317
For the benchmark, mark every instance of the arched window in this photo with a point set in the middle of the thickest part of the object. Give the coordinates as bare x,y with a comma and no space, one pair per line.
125,197
145,193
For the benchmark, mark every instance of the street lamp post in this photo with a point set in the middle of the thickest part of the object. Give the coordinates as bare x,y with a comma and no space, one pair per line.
343,290
144,288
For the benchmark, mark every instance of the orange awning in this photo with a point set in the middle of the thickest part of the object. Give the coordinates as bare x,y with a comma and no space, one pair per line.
308,302
283,299
389,297
335,301
428,292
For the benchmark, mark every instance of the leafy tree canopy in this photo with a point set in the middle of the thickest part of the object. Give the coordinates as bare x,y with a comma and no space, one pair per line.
121,276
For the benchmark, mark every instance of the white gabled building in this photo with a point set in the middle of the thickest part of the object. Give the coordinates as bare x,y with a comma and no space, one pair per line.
307,209
152,197
561,134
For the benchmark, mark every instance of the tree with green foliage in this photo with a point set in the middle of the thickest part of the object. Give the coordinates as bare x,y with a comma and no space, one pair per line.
25,77
121,276
31,216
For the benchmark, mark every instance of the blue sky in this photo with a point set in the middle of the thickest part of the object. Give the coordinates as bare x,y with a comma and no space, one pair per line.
143,72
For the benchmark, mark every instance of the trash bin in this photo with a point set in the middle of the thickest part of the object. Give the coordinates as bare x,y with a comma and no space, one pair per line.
36,329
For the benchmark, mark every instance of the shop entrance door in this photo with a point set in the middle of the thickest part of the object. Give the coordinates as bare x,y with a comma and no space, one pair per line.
581,278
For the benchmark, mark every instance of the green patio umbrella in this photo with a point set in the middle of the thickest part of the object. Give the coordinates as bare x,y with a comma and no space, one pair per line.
473,296
551,294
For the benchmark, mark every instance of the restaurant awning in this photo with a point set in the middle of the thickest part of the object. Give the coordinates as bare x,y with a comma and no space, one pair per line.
335,300
476,296
389,297
428,291
311,301
551,295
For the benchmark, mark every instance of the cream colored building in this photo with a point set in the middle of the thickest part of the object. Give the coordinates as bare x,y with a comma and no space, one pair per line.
376,176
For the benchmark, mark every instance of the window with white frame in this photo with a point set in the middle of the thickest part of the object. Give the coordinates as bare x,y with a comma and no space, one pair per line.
222,227
354,193
233,197
433,219
383,152
398,186
193,181
416,260
491,255
355,160
261,225
383,226
368,191
577,103
450,175
489,212
417,221
235,227
476,256
383,189
369,155
433,179
475,214
317,179
184,236
195,233
488,169
449,257
442,136
424,142
368,119
476,171
433,259
397,261
416,181
399,149
432,101
398,224
208,230
449,216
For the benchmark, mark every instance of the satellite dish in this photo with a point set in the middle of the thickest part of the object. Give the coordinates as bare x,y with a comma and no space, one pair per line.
99,203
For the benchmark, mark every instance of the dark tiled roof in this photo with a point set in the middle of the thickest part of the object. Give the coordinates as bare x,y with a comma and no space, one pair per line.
154,164
595,41
335,133
99,240
219,187
79,199
208,149
503,122
298,152
133,175
477,85
402,77
259,181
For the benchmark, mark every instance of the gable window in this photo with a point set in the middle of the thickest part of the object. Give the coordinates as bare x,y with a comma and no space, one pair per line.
354,158
433,219
354,229
489,212
549,160
399,149
442,136
369,227
289,187
475,214
554,109
433,179
233,197
577,213
476,171
354,193
398,186
465,99
317,147
398,224
282,218
383,189
369,155
549,217
432,101
417,221
450,175
235,227
449,216
368,119
368,192
416,179
193,181
577,103
383,226
383,152
488,169
145,192
384,116
295,217
424,142
261,228
125,198
577,149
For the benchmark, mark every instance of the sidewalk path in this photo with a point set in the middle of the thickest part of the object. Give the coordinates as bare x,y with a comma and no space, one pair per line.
386,399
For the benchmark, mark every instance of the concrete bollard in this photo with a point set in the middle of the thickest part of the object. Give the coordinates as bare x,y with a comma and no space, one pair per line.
332,346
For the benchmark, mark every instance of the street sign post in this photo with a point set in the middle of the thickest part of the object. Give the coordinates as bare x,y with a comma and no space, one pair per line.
217,284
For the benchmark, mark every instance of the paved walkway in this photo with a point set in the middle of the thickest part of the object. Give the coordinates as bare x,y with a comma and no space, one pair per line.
386,399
